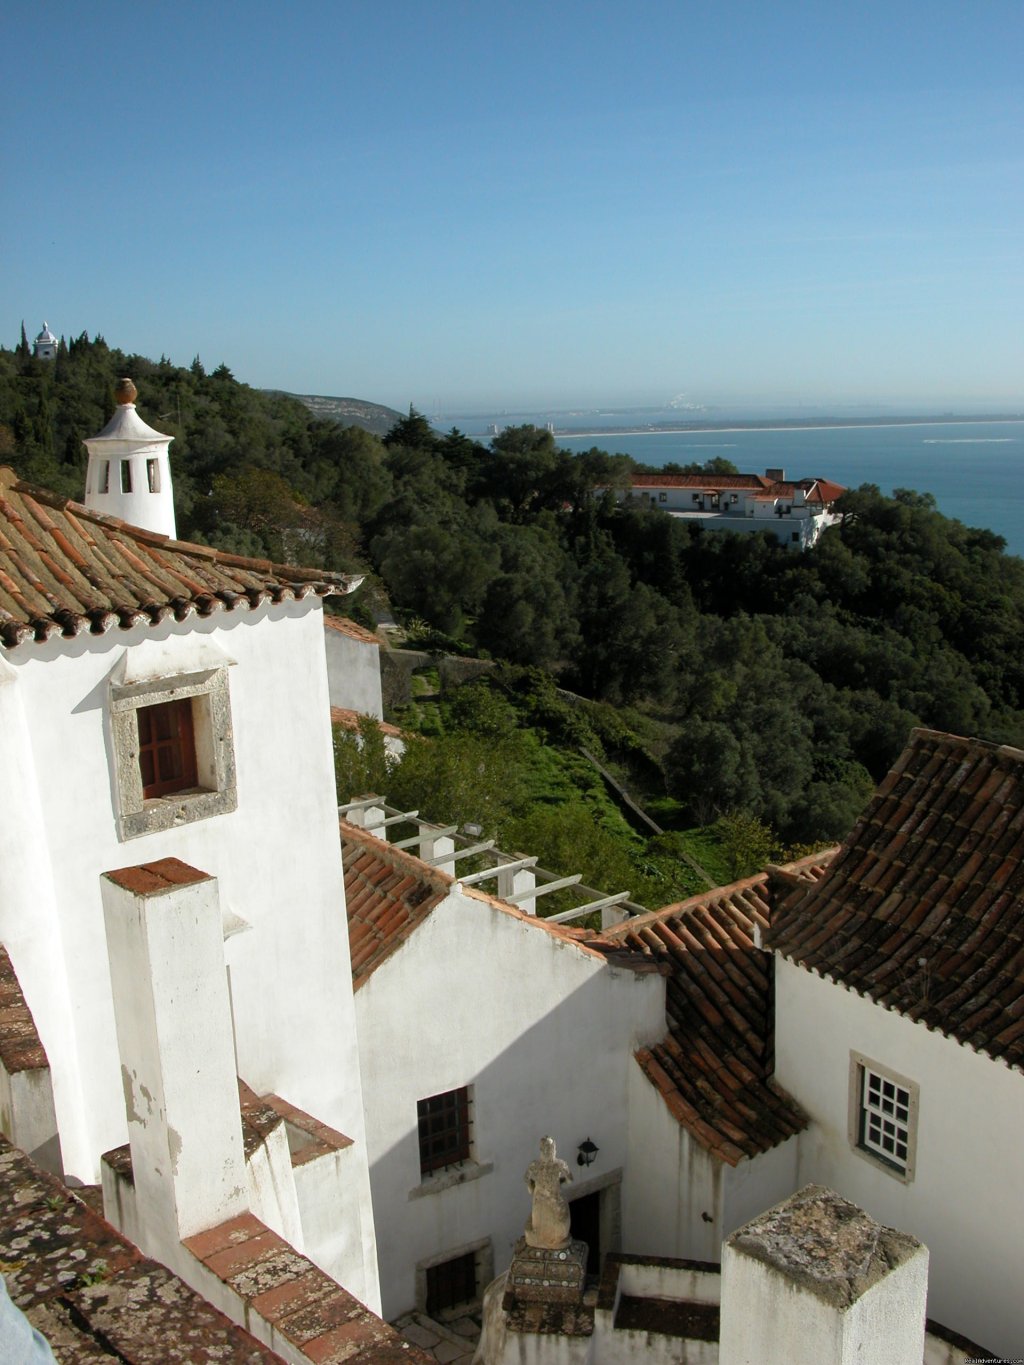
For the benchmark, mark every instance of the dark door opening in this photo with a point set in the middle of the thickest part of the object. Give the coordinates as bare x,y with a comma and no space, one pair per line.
585,1225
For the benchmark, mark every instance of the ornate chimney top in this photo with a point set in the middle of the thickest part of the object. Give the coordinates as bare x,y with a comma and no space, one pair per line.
126,392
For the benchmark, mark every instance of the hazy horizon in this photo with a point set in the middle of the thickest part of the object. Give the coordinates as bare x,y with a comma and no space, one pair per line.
530,205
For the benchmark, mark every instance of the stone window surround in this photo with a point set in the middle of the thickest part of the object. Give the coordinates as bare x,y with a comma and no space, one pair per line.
217,791
483,1250
858,1064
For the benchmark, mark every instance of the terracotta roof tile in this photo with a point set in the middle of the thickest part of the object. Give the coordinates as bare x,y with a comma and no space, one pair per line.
65,570
21,1048
316,1316
386,890
922,910
93,1294
341,625
714,1067
349,720
389,892
817,490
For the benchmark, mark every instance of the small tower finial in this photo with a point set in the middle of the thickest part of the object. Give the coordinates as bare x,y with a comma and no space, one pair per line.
125,392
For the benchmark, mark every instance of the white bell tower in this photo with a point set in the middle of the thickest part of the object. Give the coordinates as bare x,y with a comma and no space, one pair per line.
129,474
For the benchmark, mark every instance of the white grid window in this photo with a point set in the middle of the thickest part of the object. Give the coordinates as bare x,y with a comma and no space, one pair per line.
883,1115
885,1118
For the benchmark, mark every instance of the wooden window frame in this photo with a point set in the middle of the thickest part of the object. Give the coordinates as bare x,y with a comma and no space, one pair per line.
212,790
168,759
443,1124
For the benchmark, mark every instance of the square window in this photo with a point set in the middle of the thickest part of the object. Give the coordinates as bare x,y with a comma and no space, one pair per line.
173,751
443,1123
883,1115
663,497
167,748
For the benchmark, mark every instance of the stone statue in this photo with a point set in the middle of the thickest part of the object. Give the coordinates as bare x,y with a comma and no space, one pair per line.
548,1224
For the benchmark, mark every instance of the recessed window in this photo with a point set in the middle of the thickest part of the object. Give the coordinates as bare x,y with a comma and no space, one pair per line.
443,1122
153,475
173,751
167,748
663,497
104,479
126,476
452,1284
883,1117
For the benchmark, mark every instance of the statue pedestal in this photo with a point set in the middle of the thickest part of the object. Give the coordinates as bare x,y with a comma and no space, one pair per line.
542,1275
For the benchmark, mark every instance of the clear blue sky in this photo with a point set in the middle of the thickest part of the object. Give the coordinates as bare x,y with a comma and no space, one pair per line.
483,204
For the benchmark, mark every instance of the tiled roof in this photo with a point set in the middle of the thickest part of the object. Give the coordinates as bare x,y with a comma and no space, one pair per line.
922,910
710,482
20,1046
817,490
341,625
91,1293
714,1067
349,720
387,894
312,1314
65,570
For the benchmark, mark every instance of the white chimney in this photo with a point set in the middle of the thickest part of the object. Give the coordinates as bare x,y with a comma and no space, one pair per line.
129,474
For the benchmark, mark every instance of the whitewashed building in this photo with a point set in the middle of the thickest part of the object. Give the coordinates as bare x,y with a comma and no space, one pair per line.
481,1028
45,345
171,890
795,512
899,1021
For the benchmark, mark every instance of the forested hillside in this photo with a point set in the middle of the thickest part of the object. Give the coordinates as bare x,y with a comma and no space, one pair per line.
747,678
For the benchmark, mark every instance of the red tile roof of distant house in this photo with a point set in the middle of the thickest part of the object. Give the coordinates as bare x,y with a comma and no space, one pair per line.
713,1069
922,909
65,569
817,490
341,625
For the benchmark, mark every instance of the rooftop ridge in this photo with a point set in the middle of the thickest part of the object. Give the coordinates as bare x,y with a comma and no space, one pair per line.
66,569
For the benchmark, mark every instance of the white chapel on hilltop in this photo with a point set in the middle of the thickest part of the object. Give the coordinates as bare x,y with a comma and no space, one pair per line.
129,474
45,345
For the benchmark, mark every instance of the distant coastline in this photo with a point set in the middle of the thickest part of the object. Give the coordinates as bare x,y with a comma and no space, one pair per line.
783,424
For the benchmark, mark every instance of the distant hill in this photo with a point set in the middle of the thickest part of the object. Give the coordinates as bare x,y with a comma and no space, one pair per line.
349,412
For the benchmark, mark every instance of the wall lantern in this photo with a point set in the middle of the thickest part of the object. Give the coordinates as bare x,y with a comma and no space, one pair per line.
588,1151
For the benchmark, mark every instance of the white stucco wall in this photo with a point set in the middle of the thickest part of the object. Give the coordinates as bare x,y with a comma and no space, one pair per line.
276,857
669,1183
967,1197
542,1032
353,674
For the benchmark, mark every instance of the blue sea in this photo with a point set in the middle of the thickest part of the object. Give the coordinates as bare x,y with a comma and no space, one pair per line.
975,470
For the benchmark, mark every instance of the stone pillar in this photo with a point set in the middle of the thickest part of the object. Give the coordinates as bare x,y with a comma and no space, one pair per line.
434,845
816,1281
164,941
509,883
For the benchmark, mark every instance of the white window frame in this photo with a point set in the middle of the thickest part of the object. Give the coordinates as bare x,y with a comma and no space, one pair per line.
216,791
883,1116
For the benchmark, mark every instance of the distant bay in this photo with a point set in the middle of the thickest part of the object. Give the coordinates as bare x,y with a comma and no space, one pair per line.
975,470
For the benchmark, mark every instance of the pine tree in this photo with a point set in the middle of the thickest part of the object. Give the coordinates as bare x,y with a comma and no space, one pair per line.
22,349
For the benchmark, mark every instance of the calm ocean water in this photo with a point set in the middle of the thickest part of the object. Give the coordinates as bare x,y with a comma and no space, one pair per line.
974,469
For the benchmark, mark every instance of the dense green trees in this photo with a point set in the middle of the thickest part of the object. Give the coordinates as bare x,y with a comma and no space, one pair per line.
775,684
